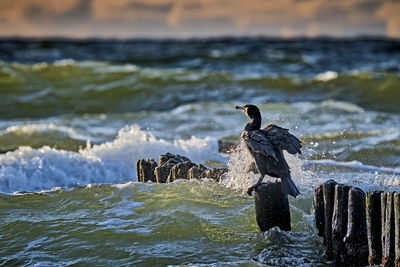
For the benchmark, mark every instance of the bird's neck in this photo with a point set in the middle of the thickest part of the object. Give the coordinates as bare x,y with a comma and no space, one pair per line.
254,124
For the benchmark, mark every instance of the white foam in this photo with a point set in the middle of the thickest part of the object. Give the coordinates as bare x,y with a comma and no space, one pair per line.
28,169
328,104
42,128
354,165
326,76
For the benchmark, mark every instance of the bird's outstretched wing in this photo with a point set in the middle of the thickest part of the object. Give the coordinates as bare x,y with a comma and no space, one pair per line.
258,143
282,139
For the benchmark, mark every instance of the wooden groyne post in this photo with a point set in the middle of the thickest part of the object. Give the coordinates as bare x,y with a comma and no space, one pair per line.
374,227
172,167
358,228
272,207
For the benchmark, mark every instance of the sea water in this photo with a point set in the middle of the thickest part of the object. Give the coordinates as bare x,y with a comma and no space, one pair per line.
76,115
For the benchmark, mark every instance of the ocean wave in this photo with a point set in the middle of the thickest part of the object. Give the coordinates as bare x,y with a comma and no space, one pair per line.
354,165
356,173
42,128
326,76
37,135
28,169
71,87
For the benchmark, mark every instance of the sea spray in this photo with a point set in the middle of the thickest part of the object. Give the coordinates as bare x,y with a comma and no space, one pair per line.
28,169
240,176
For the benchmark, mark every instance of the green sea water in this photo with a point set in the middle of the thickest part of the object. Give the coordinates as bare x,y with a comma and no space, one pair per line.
184,223
76,115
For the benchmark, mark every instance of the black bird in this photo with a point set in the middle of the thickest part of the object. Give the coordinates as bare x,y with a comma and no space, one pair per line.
266,147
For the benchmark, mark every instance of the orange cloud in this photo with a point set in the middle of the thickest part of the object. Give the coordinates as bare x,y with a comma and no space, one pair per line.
390,13
127,18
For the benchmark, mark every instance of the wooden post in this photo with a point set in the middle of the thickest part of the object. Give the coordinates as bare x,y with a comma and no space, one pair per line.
145,170
216,173
356,241
339,223
180,171
396,204
388,232
138,172
272,207
194,173
162,173
374,227
319,210
328,189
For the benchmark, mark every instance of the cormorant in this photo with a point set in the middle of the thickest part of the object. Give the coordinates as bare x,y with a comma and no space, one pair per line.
266,147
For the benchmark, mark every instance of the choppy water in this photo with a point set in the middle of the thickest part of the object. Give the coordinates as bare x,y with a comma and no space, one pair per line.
76,115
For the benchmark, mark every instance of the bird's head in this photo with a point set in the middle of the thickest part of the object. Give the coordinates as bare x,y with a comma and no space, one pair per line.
250,110
254,114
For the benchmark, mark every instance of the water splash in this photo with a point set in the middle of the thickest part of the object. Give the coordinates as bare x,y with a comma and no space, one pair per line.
240,178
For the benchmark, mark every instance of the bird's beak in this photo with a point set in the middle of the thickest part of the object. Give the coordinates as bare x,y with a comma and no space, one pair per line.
239,107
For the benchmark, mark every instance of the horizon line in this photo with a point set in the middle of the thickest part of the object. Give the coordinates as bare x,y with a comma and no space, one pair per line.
194,38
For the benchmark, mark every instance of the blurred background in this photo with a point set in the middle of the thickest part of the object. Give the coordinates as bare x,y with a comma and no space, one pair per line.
199,18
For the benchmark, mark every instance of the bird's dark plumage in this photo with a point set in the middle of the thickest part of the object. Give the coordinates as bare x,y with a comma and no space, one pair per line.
266,147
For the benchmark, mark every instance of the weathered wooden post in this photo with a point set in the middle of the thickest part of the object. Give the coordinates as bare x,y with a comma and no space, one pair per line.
145,170
388,232
372,233
328,189
356,241
339,223
195,172
180,171
374,227
319,210
215,173
162,172
396,204
272,206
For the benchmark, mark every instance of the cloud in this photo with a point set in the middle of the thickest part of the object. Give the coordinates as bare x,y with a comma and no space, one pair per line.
128,18
390,13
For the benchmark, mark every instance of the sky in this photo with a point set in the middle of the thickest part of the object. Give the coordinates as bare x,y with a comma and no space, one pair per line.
199,18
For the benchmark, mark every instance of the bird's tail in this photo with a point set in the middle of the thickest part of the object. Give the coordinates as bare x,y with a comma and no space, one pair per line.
289,186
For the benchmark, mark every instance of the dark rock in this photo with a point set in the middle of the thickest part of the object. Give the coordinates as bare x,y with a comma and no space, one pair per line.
272,207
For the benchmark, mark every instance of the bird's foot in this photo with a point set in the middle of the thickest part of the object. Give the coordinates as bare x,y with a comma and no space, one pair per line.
254,186
251,188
